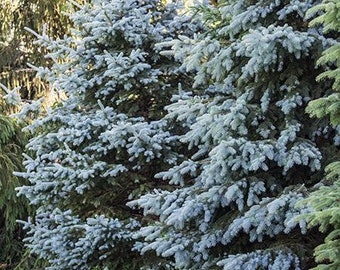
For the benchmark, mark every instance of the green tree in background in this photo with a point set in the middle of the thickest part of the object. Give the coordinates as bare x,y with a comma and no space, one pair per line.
12,141
17,45
326,200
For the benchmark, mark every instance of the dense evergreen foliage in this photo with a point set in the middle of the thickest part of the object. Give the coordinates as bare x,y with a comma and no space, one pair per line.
12,141
182,146
104,143
326,200
253,152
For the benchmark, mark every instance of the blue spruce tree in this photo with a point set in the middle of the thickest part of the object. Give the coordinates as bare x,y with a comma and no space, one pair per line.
252,151
102,145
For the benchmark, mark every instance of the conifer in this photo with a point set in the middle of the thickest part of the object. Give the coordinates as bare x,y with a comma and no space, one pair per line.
103,144
326,200
252,151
